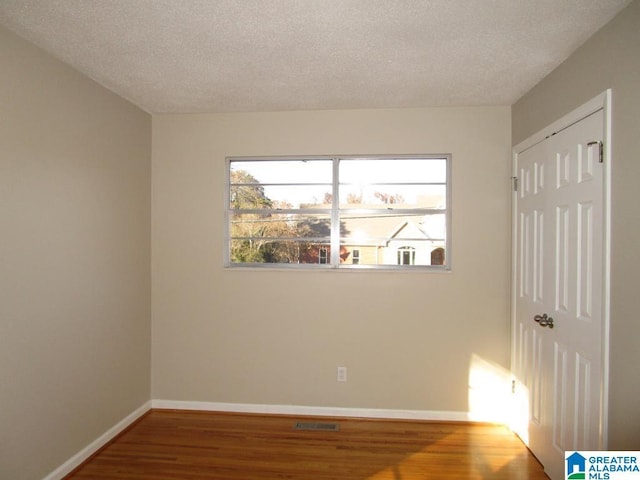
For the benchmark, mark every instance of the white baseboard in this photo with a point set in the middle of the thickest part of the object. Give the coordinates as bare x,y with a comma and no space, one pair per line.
77,460
314,411
74,462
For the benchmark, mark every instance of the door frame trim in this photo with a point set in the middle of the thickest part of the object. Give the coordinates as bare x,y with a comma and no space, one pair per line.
602,102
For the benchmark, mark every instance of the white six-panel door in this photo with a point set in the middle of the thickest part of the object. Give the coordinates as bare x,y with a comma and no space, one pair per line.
559,291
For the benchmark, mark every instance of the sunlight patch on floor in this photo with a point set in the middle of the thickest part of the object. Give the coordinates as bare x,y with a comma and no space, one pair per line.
493,399
433,461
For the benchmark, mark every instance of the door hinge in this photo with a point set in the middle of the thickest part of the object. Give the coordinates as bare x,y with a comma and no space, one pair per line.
600,150
513,386
515,183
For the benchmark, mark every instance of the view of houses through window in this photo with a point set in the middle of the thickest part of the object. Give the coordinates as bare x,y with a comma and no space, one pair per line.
333,212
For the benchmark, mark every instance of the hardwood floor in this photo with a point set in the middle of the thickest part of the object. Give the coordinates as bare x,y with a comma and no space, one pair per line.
170,445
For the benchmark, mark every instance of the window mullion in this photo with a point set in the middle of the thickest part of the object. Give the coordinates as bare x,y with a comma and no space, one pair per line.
335,215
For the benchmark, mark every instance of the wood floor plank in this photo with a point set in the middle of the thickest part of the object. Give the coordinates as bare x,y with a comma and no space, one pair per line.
179,445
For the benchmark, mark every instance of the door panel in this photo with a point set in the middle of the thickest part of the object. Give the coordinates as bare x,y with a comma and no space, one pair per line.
559,291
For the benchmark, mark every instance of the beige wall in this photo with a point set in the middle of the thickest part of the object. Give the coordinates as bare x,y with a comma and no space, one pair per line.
610,59
75,292
74,260
276,337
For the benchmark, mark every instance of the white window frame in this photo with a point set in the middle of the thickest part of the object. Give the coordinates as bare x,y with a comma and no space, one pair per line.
323,255
404,250
334,248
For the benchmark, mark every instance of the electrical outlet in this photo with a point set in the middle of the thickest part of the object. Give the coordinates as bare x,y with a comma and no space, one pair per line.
342,374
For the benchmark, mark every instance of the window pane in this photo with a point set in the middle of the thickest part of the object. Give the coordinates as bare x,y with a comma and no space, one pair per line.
275,251
391,211
393,196
401,252
288,196
399,170
308,196
282,171
380,229
274,225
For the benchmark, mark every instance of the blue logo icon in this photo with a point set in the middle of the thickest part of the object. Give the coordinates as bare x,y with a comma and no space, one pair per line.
576,466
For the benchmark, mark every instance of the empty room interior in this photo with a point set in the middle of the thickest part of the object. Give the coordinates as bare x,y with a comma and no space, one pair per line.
120,292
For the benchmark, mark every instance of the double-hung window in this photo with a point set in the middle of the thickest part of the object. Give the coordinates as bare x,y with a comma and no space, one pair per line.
387,212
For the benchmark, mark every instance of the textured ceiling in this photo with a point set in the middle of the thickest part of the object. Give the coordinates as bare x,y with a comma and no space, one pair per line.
269,55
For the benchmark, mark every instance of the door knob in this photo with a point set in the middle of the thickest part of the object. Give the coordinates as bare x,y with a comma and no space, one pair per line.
544,320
